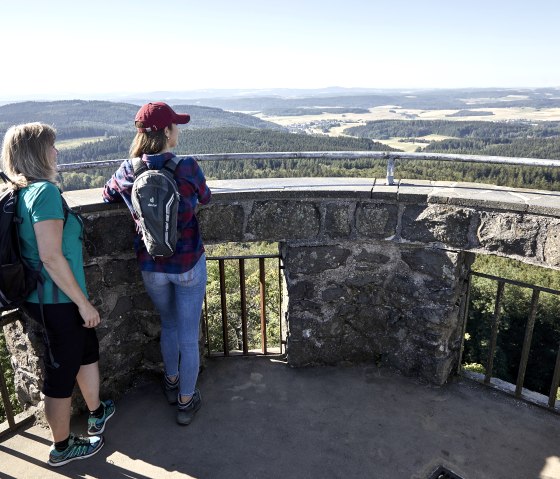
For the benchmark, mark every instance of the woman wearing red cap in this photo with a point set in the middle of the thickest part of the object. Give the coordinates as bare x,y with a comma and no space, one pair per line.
176,284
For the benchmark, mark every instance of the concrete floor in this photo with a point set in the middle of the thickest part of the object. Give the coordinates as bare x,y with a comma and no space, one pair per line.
262,419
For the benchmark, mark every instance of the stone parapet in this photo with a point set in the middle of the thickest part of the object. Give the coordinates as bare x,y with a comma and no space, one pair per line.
371,272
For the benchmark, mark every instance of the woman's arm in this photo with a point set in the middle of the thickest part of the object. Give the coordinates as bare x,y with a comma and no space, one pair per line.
49,241
119,186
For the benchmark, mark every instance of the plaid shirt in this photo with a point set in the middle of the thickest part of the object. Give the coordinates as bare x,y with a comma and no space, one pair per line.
193,189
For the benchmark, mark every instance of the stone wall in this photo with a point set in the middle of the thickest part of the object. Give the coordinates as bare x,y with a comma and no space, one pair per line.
372,272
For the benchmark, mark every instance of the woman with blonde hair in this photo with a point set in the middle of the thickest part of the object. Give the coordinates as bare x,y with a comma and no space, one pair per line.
51,241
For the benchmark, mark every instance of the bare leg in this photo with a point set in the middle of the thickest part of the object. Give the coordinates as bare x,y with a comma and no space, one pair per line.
88,380
57,412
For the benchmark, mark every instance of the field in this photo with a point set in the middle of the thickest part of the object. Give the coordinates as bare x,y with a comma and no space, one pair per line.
391,112
334,124
76,142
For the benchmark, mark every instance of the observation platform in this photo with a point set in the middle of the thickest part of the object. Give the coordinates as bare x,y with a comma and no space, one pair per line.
262,419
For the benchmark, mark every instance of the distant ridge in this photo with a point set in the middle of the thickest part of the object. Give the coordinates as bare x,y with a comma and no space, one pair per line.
202,96
116,115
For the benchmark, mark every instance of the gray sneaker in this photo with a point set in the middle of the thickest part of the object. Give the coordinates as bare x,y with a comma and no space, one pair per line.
185,413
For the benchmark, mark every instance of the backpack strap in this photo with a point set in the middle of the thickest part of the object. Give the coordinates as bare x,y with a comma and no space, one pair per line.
41,295
172,164
138,167
67,210
5,178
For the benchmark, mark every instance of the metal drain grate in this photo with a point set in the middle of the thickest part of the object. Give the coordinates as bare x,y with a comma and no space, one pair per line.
443,473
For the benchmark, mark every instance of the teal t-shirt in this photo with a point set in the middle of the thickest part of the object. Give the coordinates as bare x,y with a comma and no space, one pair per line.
41,201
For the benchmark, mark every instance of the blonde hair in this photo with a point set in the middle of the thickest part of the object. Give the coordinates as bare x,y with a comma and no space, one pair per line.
148,143
25,153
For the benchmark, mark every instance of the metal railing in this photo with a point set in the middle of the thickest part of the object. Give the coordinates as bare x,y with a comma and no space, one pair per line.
224,349
529,328
390,157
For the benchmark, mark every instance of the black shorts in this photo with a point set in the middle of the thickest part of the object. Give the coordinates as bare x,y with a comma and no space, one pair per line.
71,345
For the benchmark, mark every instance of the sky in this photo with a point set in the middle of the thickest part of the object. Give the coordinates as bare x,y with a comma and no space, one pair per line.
72,49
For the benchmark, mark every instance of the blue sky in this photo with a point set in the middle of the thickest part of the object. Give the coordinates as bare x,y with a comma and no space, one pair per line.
68,48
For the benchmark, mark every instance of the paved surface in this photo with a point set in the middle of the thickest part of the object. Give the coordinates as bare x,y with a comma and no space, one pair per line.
262,419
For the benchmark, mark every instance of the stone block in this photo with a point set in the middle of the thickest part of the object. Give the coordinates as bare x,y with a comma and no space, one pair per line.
436,263
110,234
302,289
552,245
333,293
280,220
224,222
376,220
437,223
509,233
365,259
313,260
337,220
121,271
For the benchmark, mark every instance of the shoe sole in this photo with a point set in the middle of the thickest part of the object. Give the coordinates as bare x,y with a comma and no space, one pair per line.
95,433
77,458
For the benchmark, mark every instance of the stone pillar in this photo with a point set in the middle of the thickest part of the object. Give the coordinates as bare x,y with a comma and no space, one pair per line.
377,301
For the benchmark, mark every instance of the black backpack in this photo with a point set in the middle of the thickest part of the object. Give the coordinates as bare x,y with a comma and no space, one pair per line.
17,278
155,198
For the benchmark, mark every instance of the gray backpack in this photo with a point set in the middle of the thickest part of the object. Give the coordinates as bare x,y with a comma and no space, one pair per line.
155,199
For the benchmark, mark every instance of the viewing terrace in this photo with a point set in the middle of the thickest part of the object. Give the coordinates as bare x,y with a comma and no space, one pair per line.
375,277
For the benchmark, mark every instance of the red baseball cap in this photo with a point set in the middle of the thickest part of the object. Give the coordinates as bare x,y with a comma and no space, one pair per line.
156,116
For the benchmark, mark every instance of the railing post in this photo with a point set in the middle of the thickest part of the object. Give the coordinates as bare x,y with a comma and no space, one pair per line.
207,331
555,381
263,304
224,306
6,400
390,170
243,299
280,301
494,337
465,317
527,343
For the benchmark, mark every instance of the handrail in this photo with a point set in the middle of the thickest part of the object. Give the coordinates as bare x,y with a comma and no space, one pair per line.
516,283
391,158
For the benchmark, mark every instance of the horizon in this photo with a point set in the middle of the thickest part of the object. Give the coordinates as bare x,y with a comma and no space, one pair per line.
68,50
231,93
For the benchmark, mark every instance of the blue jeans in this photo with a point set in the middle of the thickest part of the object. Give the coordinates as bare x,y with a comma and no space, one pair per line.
178,299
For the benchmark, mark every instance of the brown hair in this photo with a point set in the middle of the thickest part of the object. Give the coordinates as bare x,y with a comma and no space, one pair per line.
25,153
148,143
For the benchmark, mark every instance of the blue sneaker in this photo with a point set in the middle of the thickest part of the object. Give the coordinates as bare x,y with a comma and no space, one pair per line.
96,425
79,447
